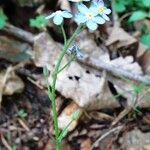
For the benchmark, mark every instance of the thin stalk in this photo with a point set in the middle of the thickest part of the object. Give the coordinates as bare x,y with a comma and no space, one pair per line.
54,79
64,34
67,64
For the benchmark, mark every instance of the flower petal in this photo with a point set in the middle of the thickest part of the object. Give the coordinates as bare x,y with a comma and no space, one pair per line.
99,20
107,11
91,25
105,17
58,19
79,18
82,8
99,2
94,9
50,16
66,14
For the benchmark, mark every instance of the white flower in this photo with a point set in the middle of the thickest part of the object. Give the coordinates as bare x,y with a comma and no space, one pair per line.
58,16
103,11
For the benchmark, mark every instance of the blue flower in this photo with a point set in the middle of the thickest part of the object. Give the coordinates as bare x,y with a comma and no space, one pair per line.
79,1
102,10
58,16
89,16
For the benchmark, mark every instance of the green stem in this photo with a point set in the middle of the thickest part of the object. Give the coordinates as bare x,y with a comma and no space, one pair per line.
54,79
67,64
64,34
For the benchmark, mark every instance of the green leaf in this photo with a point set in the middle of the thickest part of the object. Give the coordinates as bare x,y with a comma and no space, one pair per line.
22,113
39,22
145,39
138,15
119,6
3,19
75,115
146,3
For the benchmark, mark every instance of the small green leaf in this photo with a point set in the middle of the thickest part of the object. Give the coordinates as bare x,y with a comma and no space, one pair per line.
3,19
119,6
22,113
63,134
39,22
145,39
146,3
138,15
75,115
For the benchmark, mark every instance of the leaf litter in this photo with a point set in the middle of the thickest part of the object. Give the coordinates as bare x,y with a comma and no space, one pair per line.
79,87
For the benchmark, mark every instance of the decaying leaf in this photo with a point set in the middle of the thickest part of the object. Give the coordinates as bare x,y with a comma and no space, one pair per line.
87,88
90,88
123,42
46,50
137,94
67,116
144,61
125,63
64,5
10,83
13,50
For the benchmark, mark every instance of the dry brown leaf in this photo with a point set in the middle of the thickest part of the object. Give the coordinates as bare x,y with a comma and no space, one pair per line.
122,41
13,50
86,144
86,87
46,50
64,5
10,83
66,116
80,83
88,45
144,61
127,63
126,88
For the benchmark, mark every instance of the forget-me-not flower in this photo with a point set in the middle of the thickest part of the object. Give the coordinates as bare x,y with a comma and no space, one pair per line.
58,16
102,10
89,16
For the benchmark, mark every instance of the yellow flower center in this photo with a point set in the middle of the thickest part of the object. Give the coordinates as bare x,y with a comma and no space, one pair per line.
90,16
101,9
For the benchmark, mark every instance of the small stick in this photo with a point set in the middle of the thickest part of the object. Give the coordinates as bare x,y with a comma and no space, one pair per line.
5,143
116,129
19,33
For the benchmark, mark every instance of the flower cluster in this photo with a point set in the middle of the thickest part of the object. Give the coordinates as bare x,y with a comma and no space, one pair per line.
96,14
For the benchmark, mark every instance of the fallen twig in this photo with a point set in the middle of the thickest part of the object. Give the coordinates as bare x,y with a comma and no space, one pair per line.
116,129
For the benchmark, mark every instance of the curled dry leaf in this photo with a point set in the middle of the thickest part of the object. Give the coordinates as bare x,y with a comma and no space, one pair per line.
64,5
10,83
66,117
13,50
128,89
144,61
123,42
80,83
